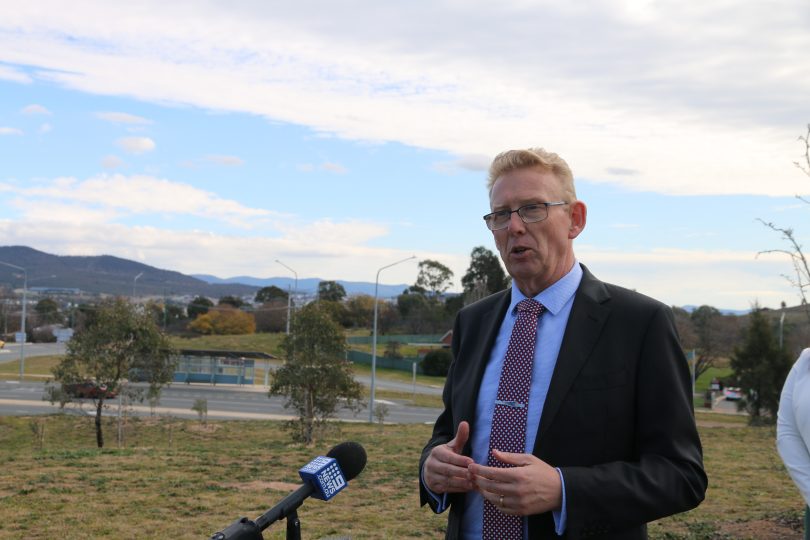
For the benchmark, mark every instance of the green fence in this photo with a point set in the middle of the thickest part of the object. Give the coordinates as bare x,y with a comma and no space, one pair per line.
401,364
405,338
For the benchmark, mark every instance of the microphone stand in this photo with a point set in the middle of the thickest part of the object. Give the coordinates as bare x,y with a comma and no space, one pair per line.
246,529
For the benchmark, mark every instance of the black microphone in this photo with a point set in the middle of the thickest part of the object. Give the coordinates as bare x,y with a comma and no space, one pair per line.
323,478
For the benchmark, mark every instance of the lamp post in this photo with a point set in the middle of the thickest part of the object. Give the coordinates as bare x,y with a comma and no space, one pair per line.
22,321
289,296
134,281
374,339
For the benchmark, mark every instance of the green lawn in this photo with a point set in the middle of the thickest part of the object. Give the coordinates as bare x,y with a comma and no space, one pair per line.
179,479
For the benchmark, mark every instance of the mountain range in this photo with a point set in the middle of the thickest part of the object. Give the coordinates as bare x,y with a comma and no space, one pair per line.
105,274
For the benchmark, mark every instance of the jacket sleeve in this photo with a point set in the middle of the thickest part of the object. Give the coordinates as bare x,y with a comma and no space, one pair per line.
443,432
789,441
662,472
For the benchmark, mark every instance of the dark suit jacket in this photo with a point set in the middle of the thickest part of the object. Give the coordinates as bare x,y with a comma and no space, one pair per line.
618,420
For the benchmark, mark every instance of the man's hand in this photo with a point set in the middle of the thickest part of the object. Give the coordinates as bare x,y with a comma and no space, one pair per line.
445,469
531,486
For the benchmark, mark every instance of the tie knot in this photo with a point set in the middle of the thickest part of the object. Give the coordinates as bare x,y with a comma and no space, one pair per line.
530,306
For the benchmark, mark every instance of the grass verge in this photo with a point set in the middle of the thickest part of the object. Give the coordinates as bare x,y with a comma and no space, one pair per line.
180,479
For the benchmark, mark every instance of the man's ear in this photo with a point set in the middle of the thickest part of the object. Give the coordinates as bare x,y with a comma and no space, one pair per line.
579,216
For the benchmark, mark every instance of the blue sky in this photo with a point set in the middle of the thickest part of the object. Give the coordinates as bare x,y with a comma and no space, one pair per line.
216,138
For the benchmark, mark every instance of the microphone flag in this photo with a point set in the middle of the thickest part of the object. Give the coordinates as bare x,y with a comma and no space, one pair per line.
323,474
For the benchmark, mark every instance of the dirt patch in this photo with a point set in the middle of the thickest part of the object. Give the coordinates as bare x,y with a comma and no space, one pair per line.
713,424
258,485
763,529
202,428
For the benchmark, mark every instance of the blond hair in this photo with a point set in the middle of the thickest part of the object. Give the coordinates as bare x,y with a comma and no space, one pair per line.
533,158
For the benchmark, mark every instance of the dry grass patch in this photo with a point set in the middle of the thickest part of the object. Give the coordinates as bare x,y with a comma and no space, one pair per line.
206,479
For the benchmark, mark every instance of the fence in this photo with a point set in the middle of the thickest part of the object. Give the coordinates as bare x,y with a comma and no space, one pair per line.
401,364
405,338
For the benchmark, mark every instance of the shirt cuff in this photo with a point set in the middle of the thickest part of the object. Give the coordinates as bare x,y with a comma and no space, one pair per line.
440,500
561,515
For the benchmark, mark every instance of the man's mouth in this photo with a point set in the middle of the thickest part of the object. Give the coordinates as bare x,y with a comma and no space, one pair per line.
519,250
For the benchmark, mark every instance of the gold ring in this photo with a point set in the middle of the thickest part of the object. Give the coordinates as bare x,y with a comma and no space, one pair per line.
501,502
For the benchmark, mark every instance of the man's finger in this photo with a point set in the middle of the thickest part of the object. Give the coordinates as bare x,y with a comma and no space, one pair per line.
518,460
460,440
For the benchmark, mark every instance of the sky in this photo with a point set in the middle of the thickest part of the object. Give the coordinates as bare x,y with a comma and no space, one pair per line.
342,137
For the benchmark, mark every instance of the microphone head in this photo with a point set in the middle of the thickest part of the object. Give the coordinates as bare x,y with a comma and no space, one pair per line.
351,457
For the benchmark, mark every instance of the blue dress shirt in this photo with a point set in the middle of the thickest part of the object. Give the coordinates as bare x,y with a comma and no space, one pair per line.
557,299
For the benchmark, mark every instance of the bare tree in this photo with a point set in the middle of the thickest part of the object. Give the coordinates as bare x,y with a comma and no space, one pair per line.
800,279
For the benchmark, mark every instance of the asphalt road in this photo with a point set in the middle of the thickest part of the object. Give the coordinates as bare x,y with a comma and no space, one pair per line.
228,402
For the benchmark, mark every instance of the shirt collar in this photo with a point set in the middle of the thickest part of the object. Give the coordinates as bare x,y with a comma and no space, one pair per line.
554,297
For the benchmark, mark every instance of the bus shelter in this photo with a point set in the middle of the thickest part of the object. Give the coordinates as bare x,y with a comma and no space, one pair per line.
215,367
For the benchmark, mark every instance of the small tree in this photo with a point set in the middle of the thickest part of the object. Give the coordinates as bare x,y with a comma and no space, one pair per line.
800,280
200,406
434,277
199,306
392,349
316,376
705,320
267,294
331,291
484,276
224,321
761,367
437,362
271,316
232,301
117,339
48,312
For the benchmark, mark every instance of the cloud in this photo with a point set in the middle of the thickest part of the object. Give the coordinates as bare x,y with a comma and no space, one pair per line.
621,171
112,162
194,251
475,162
470,163
119,196
123,118
10,131
640,90
8,73
228,161
721,278
336,168
136,145
45,128
35,109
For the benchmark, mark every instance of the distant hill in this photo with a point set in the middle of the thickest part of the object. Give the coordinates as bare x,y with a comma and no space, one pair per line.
105,274
308,285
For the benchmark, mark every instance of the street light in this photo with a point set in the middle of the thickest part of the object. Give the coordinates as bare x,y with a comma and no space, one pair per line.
374,338
22,321
134,281
289,296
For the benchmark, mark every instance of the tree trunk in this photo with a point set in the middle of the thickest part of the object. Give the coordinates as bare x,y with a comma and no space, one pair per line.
99,434
310,417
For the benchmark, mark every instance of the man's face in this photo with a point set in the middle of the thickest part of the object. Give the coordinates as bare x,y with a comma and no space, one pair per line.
538,254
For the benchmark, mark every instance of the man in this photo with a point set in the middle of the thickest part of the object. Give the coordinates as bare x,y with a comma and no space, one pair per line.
603,435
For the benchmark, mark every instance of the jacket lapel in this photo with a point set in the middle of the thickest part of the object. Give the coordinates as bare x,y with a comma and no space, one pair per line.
486,327
588,316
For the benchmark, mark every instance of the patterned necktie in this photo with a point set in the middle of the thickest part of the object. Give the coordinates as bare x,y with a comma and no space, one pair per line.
509,419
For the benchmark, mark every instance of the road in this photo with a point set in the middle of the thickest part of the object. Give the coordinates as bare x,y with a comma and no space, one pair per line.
11,351
224,402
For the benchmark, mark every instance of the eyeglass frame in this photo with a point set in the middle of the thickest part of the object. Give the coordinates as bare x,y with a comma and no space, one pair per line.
520,214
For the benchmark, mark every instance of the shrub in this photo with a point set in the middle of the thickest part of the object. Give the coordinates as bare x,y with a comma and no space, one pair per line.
437,362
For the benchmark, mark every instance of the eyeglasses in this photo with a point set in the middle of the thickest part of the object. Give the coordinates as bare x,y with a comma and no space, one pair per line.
529,213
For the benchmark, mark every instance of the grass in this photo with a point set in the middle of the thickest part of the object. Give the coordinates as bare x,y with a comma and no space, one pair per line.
37,368
262,342
179,479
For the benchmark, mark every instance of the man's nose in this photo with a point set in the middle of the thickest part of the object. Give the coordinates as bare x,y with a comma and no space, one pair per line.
516,223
